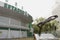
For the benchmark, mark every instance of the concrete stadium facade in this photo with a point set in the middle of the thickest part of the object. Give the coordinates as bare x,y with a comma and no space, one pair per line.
14,22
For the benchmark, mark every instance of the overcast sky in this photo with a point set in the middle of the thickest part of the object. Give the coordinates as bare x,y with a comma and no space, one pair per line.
37,8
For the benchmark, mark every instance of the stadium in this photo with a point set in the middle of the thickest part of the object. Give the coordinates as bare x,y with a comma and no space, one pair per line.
14,22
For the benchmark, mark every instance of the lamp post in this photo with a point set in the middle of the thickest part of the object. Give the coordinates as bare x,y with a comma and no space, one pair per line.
40,25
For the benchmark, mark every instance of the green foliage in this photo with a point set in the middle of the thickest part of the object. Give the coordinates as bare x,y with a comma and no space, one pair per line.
48,27
39,20
36,29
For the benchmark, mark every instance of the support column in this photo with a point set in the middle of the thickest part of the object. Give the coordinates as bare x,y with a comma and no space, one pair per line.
9,36
20,34
9,33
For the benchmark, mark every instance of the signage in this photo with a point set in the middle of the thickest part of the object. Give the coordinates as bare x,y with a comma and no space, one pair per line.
16,9
13,8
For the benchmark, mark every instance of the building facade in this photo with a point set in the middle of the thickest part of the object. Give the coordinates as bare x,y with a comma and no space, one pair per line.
14,22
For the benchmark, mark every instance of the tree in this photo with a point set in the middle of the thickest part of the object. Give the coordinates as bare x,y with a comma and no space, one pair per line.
36,29
48,27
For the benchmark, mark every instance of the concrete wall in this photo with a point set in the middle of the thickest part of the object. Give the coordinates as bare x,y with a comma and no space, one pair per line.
14,22
3,33
1,4
6,22
12,33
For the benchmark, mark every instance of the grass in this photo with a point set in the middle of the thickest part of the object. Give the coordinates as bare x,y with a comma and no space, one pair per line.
31,38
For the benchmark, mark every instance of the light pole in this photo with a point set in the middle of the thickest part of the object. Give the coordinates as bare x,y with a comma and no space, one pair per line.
40,25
